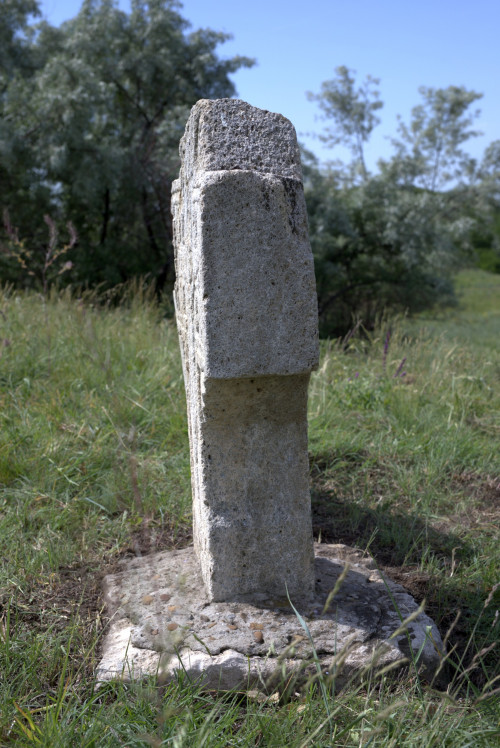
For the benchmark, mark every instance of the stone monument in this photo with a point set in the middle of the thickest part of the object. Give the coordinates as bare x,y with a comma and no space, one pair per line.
247,317
225,610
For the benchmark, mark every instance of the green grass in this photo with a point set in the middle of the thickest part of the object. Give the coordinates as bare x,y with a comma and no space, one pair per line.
94,464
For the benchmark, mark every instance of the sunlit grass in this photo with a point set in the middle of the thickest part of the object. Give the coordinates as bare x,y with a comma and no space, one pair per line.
94,463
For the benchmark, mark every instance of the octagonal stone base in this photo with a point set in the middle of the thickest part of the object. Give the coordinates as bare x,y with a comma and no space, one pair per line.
163,623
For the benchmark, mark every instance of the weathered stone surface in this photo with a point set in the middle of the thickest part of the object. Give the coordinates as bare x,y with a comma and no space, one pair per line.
161,614
247,317
230,135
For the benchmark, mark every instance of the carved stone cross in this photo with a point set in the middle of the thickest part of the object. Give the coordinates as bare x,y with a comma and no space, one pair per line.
247,317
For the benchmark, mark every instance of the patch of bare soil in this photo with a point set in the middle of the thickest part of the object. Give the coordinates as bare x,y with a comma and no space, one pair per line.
68,600
72,598
149,538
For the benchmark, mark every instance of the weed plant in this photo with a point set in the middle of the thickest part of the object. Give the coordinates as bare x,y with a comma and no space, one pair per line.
94,464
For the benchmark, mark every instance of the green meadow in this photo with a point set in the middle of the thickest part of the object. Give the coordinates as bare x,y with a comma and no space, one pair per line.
404,441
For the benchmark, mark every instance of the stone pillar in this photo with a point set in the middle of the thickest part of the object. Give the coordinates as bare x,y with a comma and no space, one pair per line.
247,317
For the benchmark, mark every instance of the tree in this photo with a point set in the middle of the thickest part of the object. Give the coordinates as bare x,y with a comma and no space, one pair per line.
352,111
96,129
14,46
429,153
377,247
393,239
486,209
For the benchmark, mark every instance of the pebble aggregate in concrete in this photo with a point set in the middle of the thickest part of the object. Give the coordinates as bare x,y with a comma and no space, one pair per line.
160,615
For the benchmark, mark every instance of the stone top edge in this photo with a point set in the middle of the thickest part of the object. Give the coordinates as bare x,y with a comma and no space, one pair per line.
232,135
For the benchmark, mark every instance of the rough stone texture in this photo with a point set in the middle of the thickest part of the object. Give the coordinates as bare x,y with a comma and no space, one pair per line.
247,317
230,135
163,621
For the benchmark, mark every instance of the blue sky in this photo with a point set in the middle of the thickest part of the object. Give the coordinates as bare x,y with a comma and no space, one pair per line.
297,45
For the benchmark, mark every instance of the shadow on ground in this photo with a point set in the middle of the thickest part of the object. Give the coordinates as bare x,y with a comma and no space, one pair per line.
419,554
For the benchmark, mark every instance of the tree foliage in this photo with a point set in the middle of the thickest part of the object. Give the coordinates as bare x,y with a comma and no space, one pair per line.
352,111
15,55
395,238
91,114
428,152
91,134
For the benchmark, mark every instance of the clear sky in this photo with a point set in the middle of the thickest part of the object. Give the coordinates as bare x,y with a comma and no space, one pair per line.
297,45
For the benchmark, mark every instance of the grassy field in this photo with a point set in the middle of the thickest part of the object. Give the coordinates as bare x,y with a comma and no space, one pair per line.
94,465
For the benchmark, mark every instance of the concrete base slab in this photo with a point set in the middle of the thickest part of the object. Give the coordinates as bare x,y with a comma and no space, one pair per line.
162,623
